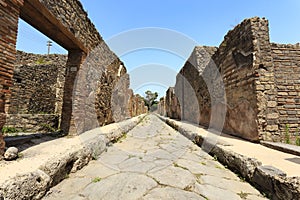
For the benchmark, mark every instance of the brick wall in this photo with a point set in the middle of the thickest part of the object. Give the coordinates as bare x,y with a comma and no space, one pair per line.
286,60
9,12
260,79
235,61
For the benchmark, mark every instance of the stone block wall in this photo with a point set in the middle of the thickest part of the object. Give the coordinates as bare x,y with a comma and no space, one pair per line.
286,60
161,107
37,84
111,97
172,104
9,12
32,123
260,80
191,88
235,59
36,93
68,24
209,72
136,105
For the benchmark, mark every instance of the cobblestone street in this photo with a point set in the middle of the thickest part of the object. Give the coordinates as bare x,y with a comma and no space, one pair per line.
153,161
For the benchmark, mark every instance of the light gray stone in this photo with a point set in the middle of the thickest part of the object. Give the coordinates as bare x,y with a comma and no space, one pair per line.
11,153
174,176
121,186
169,193
27,186
215,193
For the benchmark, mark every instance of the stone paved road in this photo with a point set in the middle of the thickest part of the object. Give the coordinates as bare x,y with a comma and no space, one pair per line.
154,162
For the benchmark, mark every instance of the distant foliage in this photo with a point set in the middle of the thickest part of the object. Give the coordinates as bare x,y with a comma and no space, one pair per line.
150,100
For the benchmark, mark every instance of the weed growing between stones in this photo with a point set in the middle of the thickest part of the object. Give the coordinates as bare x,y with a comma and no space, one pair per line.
49,128
297,141
96,179
243,195
287,134
9,130
203,163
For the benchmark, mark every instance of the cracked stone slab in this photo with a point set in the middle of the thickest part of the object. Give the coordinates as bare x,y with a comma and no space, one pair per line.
174,176
169,193
215,193
232,185
164,166
121,186
206,167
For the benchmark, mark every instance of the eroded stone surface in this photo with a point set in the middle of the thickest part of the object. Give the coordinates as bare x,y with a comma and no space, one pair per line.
154,165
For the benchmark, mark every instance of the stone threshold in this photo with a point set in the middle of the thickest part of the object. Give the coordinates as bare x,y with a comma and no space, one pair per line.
267,169
46,164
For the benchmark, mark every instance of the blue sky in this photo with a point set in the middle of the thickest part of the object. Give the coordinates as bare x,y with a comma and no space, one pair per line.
205,22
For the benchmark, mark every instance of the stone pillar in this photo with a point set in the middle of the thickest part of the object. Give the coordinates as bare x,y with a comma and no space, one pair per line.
75,59
9,12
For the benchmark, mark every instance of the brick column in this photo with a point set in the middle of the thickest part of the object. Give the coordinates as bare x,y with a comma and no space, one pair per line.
9,16
75,59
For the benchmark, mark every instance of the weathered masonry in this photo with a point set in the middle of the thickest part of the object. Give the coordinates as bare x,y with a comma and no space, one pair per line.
66,23
260,80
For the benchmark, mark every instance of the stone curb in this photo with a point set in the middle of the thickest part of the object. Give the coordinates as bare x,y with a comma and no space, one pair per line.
267,179
287,148
35,184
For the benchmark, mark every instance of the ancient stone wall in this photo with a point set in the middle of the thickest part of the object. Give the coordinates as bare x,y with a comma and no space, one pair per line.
68,24
191,88
9,12
29,123
37,92
209,72
37,84
235,60
161,107
72,15
286,60
137,106
260,80
111,99
172,104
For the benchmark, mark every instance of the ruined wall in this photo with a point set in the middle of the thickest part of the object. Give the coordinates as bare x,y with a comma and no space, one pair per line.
161,107
191,88
286,60
29,123
37,92
209,72
111,94
260,79
172,104
137,105
9,12
72,15
37,84
235,60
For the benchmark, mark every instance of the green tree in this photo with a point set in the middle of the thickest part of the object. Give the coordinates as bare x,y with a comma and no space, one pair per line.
150,100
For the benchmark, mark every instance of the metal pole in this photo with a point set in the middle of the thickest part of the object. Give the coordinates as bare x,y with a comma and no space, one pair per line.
49,44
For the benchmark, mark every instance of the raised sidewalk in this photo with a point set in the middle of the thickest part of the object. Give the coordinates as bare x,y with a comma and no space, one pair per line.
46,164
275,173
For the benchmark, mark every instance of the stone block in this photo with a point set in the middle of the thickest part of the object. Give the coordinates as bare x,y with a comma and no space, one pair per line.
264,177
272,128
272,104
272,116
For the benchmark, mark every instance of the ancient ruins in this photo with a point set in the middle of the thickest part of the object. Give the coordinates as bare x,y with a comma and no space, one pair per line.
260,80
31,99
247,87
